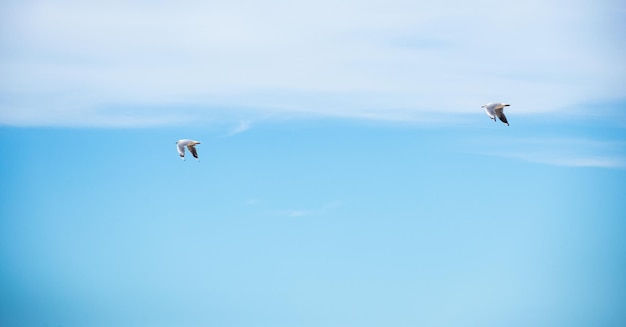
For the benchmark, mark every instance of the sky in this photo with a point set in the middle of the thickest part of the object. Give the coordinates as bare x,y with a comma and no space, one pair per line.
348,175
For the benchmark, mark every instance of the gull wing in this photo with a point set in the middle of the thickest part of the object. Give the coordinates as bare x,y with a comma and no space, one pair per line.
192,149
490,110
501,116
181,149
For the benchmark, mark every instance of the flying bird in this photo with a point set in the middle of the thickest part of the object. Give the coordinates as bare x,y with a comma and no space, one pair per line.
496,109
190,144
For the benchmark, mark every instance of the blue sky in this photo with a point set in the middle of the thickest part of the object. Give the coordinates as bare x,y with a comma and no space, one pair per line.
347,174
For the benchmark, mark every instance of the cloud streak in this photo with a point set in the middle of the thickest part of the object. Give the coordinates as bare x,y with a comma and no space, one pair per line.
242,127
569,160
327,207
566,152
70,62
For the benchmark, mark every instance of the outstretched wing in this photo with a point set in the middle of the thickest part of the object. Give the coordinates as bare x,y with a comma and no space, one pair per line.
501,116
489,109
192,149
181,149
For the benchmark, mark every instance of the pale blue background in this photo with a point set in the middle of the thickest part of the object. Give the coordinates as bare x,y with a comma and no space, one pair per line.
347,174
322,223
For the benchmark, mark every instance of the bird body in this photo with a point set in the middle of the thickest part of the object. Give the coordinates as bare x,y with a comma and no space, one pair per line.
496,109
191,146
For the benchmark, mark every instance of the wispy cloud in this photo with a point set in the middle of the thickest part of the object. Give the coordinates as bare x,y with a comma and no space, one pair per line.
569,160
565,152
298,213
324,209
242,127
77,62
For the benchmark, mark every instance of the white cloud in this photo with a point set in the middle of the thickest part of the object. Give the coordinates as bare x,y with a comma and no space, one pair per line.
242,127
574,152
325,208
74,62
571,160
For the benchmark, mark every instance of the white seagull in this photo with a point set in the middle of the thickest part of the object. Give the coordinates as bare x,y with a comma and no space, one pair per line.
496,109
190,144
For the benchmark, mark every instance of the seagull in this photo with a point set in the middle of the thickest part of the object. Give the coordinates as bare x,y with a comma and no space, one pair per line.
190,144
496,109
